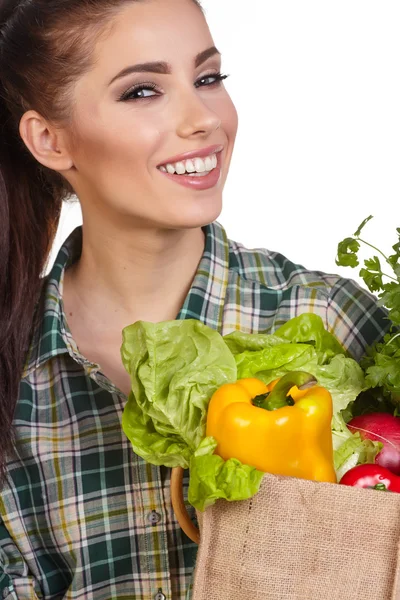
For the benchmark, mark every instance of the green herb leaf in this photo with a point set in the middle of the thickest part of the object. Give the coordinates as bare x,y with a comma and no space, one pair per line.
396,248
372,274
369,401
373,264
385,368
363,224
347,253
382,362
391,299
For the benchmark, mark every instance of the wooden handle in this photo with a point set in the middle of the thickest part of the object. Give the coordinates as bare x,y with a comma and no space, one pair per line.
179,507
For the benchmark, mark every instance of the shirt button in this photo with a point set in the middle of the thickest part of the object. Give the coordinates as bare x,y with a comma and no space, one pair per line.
154,518
160,595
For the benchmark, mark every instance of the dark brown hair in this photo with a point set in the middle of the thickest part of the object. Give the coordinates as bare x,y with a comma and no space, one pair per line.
45,45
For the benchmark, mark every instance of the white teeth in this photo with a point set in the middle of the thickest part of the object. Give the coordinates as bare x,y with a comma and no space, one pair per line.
190,168
199,165
209,163
180,168
194,166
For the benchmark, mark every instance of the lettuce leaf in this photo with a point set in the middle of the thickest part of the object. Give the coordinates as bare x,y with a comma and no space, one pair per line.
269,357
309,328
344,378
212,478
349,449
272,362
175,367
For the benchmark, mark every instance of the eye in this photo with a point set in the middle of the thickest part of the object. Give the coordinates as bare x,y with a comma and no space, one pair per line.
211,79
140,92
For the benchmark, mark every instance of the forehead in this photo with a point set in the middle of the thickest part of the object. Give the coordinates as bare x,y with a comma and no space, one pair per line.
153,30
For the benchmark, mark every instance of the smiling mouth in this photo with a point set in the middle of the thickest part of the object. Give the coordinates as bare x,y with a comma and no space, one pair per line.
194,167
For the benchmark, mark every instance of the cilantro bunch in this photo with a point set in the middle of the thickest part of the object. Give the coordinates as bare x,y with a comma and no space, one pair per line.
381,275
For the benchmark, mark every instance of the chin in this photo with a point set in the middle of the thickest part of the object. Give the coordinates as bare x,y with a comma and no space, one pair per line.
203,212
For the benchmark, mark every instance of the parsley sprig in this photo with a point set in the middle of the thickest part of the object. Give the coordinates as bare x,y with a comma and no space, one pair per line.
381,275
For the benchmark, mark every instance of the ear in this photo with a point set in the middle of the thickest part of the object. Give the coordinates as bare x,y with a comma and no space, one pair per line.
45,142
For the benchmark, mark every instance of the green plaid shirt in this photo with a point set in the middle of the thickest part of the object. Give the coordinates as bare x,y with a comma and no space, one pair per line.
82,516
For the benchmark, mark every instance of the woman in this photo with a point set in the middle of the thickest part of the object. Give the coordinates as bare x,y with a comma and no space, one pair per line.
121,102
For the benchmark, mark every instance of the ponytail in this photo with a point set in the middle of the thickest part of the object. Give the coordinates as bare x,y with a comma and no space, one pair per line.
29,216
45,46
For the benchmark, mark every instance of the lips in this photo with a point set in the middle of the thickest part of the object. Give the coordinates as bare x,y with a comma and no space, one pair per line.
197,179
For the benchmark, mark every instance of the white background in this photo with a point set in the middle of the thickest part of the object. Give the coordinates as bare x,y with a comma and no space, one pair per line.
317,87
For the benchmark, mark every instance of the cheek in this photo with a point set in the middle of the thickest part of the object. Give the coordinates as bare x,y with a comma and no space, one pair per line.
137,134
126,143
229,117
229,124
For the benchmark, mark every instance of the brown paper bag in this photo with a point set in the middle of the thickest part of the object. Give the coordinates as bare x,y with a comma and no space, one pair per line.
299,539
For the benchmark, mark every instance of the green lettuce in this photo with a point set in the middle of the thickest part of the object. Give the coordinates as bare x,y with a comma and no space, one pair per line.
268,357
344,379
309,328
175,367
349,449
212,478
275,361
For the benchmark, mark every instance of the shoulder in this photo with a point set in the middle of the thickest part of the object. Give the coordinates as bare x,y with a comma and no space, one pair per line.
275,270
349,311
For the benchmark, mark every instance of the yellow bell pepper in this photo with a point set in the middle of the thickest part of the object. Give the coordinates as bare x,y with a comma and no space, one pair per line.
277,428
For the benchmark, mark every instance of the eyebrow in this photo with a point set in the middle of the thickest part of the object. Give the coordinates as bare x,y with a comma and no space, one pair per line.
163,68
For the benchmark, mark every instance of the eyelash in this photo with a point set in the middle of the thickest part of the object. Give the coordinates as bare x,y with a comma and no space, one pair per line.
219,78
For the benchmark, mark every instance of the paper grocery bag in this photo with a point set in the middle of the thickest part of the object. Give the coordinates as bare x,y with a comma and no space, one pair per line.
299,539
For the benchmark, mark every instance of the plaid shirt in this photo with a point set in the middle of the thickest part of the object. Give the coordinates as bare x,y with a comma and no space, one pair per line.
81,515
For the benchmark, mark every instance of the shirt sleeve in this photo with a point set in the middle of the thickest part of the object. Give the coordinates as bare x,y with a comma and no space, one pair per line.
15,581
355,318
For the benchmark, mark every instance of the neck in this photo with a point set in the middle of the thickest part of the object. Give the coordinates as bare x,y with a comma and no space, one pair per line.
126,276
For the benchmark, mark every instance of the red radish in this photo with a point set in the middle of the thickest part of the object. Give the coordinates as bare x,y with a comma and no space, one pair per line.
385,428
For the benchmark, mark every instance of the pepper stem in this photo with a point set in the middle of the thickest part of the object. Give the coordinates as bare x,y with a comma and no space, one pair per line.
278,398
381,487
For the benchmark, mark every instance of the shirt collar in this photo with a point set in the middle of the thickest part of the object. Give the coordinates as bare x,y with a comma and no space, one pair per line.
206,297
205,300
51,335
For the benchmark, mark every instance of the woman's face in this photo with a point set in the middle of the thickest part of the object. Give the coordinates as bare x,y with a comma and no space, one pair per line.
153,126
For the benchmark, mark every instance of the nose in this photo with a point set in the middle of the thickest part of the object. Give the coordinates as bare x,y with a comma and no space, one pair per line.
197,119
